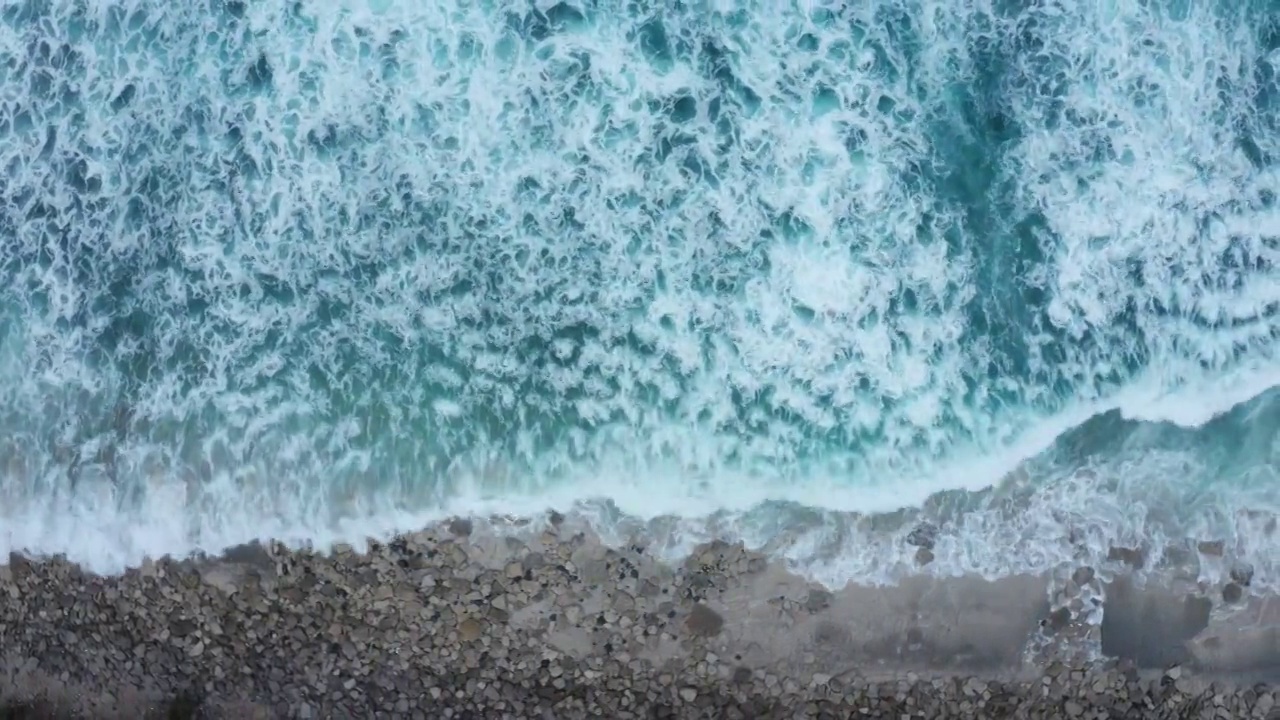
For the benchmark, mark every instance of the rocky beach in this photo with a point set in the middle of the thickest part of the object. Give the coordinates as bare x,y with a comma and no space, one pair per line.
901,359
540,619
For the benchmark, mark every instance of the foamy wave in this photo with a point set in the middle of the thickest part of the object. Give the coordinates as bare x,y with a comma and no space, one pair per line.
280,267
1042,512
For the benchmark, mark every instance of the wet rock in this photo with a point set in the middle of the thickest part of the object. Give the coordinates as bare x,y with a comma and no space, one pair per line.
253,553
703,621
1082,576
1058,620
817,601
1177,556
924,556
533,561
1242,573
1212,548
1232,593
924,535
1133,557
461,527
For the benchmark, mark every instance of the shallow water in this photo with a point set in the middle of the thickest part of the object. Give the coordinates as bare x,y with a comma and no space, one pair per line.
315,269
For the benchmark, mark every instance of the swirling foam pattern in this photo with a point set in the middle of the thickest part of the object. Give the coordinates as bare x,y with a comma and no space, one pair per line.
271,266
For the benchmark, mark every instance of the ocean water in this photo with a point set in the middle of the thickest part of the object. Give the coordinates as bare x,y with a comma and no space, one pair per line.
798,273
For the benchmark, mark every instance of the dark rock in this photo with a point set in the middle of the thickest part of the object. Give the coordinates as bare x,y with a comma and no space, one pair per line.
1213,548
1082,575
1177,556
1232,593
817,601
1058,620
1133,557
461,527
248,554
703,621
182,627
924,535
19,565
1242,573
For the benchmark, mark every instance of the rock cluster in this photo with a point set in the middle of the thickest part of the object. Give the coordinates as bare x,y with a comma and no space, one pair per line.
452,622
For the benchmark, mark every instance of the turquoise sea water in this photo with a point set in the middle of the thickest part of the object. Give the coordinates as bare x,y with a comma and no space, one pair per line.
293,267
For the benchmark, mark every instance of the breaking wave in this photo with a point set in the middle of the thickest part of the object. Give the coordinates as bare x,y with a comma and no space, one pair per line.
310,270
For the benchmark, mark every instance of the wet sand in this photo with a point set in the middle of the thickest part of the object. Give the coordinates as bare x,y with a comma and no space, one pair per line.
457,621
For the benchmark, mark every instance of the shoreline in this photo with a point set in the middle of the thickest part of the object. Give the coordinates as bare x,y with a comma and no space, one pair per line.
458,620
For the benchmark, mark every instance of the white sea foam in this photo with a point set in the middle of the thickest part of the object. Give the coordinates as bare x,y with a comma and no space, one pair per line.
320,270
